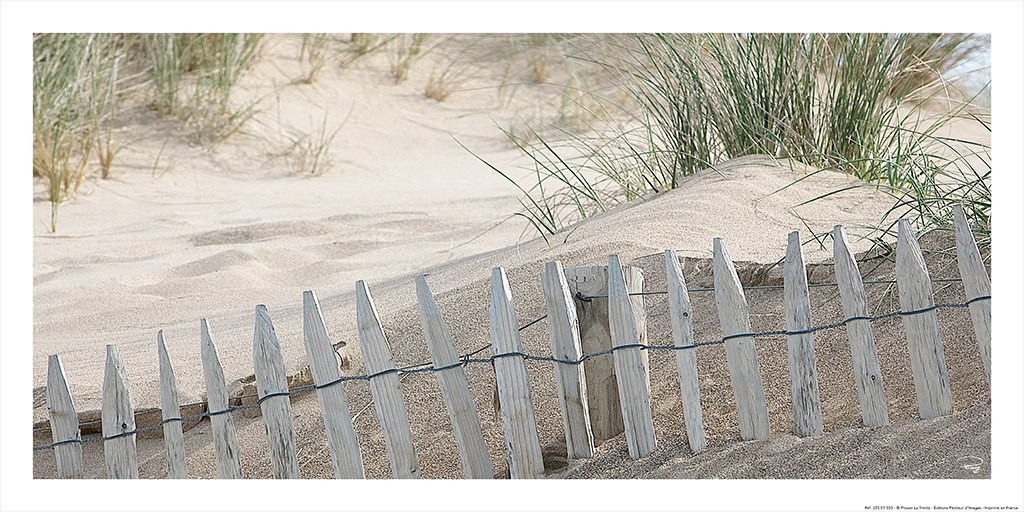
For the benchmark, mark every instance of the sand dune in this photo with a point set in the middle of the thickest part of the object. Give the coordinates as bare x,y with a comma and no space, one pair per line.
212,233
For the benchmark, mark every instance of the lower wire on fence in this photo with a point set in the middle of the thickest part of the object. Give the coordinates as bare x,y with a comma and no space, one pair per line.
466,359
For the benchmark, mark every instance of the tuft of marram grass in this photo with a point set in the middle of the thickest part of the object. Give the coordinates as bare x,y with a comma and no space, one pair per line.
314,55
402,51
362,45
312,152
852,102
75,80
80,81
309,152
193,76
453,68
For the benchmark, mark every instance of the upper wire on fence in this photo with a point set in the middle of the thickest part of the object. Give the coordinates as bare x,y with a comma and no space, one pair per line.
467,359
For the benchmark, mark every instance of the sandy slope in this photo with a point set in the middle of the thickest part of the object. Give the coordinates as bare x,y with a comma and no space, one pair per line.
216,232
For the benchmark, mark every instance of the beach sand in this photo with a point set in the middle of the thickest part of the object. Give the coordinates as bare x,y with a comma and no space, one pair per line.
211,233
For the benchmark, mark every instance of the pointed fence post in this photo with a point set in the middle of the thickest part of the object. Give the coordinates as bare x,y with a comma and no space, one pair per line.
520,424
323,363
118,420
225,440
174,439
866,371
63,421
385,387
275,403
630,367
570,380
734,317
686,359
476,461
589,288
931,380
802,362
976,284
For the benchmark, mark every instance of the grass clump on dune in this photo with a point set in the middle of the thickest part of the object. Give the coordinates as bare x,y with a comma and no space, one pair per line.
453,68
402,51
311,152
313,55
193,76
81,82
876,106
75,83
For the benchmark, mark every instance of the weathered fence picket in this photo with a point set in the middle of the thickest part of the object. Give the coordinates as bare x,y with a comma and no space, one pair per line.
385,387
686,360
469,436
802,362
170,408
589,288
740,352
275,404
866,371
323,364
976,284
118,420
63,421
564,329
931,380
222,426
630,367
521,439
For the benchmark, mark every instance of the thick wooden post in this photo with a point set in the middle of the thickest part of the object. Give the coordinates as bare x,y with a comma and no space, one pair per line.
170,408
118,418
931,380
225,440
63,421
564,329
275,404
595,336
385,387
686,359
734,317
866,372
323,363
520,424
803,370
976,284
630,367
476,461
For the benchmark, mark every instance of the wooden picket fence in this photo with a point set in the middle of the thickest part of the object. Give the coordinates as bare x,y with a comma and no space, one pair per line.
513,386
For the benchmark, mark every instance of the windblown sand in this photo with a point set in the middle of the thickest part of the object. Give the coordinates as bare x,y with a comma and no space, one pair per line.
211,233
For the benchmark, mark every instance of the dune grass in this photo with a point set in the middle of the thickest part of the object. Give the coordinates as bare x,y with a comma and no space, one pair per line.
872,105
314,55
402,51
859,103
81,81
453,69
311,152
75,84
193,76
362,45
